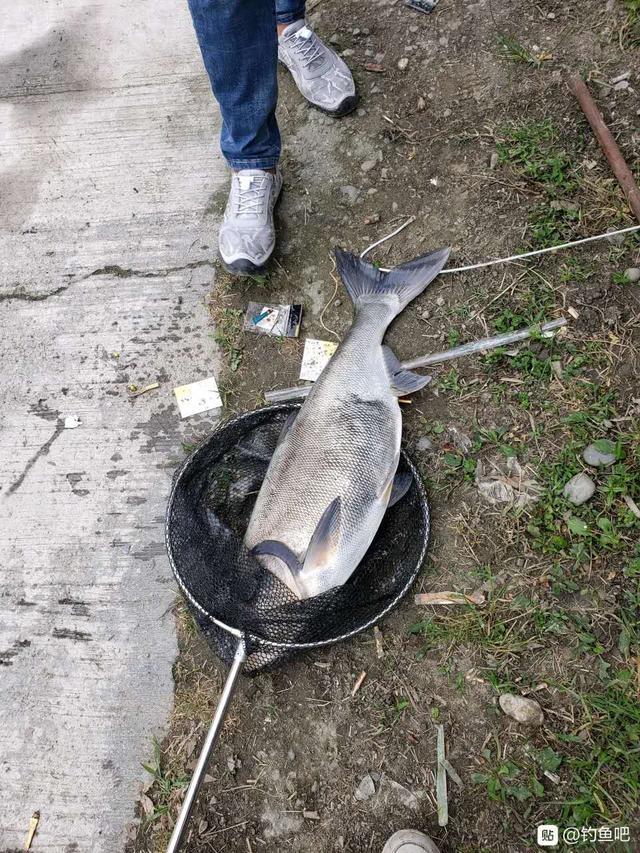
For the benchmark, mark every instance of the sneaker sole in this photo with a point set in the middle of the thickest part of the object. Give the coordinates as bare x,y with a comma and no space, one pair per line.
243,267
347,106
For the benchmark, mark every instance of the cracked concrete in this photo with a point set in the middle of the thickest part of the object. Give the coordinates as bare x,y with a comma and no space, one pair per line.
108,163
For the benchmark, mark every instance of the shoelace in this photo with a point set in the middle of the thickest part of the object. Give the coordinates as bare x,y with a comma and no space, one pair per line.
307,49
251,196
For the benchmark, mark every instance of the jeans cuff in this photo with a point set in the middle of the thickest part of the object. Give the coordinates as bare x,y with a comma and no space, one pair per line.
290,17
254,163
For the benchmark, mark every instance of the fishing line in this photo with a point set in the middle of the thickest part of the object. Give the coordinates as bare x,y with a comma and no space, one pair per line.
511,258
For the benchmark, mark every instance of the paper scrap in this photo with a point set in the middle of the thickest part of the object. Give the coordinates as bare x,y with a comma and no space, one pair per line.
72,422
33,825
198,397
315,358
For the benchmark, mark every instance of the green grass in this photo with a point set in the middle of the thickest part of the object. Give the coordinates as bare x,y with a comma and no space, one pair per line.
535,150
164,784
512,49
228,334
538,152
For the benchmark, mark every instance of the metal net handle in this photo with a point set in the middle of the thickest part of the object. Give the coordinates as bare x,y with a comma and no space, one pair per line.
179,834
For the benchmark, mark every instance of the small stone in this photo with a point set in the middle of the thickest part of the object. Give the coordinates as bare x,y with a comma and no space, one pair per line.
338,303
347,52
368,165
460,440
351,193
291,755
231,764
493,162
421,104
632,275
614,239
440,301
446,113
424,445
334,39
600,454
622,86
394,206
579,489
403,62
521,709
366,789
384,173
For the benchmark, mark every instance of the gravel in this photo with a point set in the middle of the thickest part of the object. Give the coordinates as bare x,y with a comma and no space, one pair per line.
521,709
600,454
579,489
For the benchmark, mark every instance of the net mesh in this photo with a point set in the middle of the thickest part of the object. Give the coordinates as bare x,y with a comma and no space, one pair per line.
209,510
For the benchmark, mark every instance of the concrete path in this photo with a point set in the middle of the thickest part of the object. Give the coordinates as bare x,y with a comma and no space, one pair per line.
108,163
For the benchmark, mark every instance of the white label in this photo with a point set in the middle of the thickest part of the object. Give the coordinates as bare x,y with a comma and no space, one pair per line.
315,358
198,397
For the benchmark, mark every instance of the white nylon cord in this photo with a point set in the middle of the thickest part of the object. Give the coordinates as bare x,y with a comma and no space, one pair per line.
511,257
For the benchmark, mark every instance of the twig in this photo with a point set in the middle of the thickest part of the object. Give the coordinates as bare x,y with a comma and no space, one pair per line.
358,683
388,237
441,780
449,598
377,635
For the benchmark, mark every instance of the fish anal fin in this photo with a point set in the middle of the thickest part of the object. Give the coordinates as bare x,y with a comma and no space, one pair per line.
402,381
324,542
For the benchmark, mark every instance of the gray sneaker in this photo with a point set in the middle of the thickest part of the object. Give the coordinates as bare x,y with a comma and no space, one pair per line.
247,235
319,73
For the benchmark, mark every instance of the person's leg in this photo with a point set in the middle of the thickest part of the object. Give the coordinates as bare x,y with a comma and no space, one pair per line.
239,46
289,11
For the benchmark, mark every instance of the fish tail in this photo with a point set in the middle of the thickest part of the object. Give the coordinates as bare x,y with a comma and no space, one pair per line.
396,288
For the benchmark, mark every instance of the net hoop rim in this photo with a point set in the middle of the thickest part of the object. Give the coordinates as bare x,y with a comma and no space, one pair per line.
245,635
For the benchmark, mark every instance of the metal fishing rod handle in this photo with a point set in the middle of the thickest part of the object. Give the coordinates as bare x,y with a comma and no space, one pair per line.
179,834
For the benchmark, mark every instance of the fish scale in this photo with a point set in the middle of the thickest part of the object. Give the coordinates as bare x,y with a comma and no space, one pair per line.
330,479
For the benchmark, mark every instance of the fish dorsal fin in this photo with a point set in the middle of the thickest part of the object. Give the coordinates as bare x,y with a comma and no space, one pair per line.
278,549
286,426
402,381
324,542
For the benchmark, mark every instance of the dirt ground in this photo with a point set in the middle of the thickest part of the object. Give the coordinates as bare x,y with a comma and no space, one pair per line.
476,136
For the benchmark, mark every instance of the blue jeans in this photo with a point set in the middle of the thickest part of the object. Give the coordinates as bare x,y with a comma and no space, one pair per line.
239,45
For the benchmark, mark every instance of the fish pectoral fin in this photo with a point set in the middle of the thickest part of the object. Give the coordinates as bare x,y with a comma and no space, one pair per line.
402,381
278,549
324,542
399,487
286,426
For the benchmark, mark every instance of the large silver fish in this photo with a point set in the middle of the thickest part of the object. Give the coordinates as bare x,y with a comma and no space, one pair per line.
333,473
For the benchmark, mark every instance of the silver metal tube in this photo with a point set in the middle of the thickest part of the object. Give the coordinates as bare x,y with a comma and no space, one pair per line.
179,833
300,391
484,344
